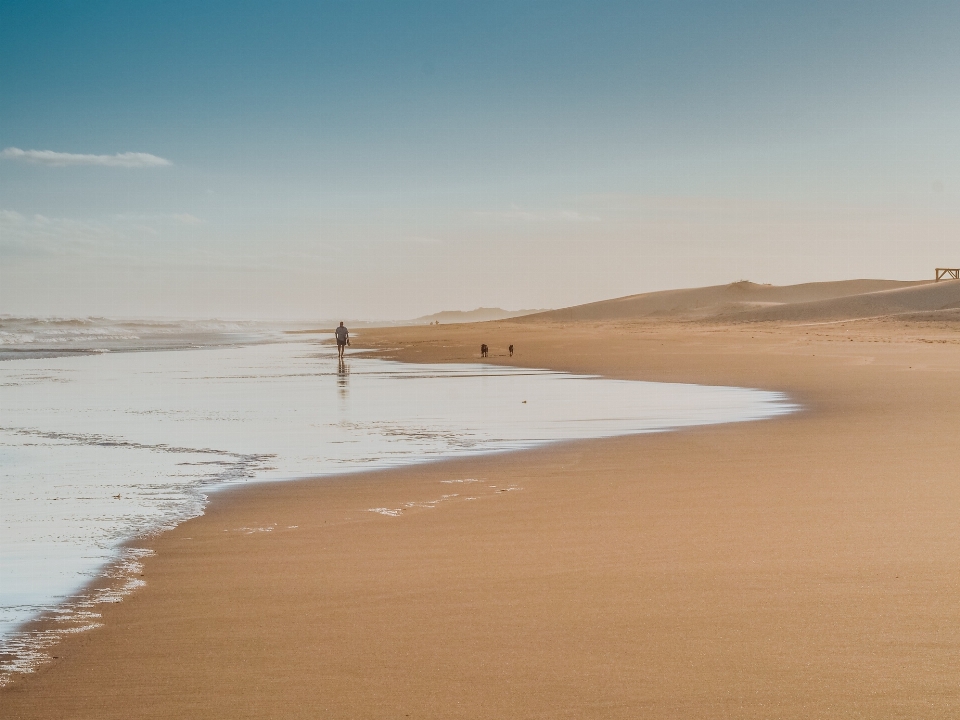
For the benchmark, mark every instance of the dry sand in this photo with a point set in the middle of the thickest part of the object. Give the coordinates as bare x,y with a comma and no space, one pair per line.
803,567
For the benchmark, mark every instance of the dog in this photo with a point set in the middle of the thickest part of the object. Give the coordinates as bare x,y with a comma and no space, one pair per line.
511,350
483,350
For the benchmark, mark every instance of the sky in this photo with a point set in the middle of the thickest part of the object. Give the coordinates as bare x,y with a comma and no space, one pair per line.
386,160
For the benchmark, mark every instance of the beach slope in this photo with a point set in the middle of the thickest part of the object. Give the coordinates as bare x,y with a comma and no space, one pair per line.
799,567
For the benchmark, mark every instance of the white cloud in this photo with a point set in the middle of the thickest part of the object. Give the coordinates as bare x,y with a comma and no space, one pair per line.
61,159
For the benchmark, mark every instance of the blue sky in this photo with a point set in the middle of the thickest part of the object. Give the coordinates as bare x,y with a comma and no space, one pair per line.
385,160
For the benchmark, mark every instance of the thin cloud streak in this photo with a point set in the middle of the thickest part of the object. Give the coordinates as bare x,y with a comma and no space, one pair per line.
546,216
116,237
51,158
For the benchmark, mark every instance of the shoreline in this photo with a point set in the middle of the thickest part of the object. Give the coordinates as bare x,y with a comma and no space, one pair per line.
748,475
71,609
116,579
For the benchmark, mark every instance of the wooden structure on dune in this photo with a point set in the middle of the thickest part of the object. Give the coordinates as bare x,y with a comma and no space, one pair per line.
948,274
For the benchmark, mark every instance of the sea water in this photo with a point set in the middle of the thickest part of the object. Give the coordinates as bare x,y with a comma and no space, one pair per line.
99,449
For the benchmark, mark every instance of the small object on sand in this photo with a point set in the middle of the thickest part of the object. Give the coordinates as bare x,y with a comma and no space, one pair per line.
484,350
116,497
524,402
511,350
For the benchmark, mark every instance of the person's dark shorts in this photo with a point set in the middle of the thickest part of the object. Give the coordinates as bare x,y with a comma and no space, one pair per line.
341,342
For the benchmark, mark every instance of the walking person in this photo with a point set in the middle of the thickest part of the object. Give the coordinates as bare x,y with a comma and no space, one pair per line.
343,339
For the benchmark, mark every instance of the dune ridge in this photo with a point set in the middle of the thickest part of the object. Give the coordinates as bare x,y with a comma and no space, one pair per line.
931,297
745,301
481,314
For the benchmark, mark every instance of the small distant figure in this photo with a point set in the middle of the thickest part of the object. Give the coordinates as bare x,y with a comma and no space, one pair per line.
343,339
511,350
483,350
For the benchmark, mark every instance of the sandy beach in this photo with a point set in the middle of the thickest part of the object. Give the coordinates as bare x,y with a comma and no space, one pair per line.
800,567
651,405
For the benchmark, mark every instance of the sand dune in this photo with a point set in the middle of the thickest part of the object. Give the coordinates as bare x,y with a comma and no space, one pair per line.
922,298
481,314
746,301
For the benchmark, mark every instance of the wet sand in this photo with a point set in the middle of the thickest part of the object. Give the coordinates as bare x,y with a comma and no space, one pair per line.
800,567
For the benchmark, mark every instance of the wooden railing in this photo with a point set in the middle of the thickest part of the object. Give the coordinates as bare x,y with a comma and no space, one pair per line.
948,274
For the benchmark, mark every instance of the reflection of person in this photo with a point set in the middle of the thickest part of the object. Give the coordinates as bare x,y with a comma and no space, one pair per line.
343,378
343,339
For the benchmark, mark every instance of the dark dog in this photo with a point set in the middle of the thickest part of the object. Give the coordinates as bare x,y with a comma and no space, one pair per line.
483,350
511,350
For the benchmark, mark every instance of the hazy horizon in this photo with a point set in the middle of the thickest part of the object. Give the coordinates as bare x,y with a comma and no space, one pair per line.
385,161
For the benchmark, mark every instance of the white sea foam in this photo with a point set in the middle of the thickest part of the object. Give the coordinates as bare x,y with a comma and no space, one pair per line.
28,337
